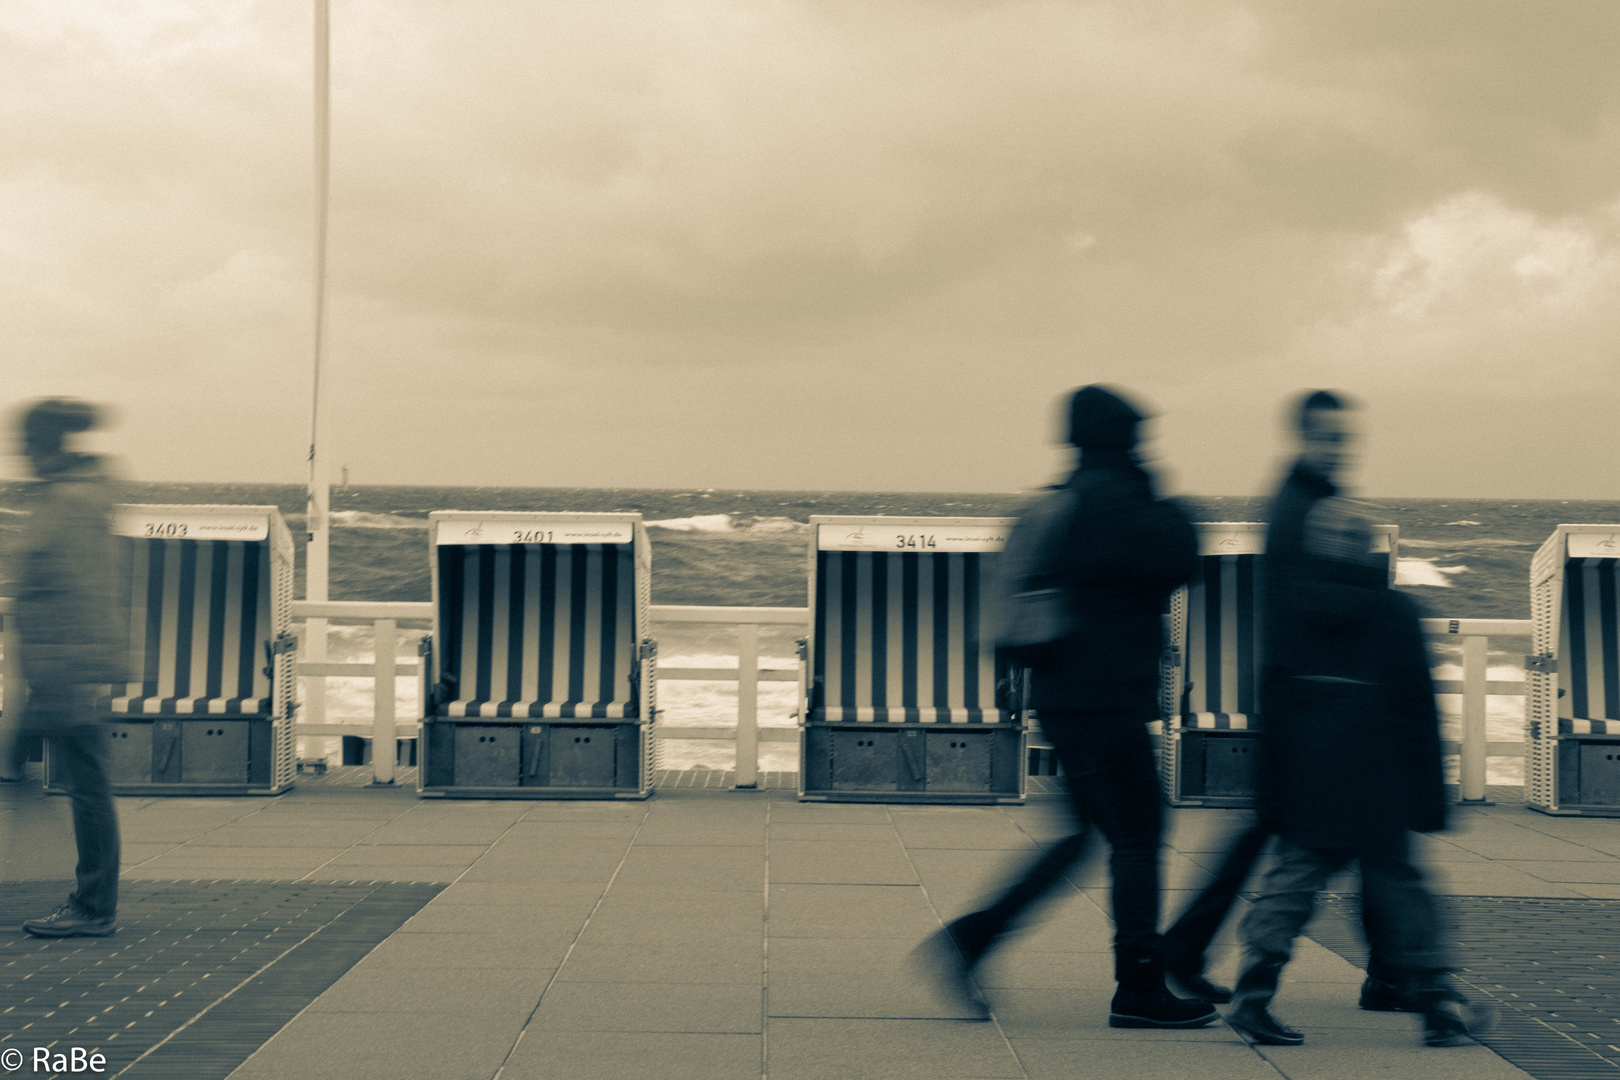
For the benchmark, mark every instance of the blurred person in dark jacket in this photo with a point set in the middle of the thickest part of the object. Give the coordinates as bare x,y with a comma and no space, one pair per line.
1350,768
71,647
1120,556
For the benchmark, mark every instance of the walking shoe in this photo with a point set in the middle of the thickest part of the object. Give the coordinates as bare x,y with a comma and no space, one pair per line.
1452,1021
1254,1022
1380,996
940,956
1193,985
68,921
1158,1009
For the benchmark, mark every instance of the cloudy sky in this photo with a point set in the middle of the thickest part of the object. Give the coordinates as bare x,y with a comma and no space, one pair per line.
821,243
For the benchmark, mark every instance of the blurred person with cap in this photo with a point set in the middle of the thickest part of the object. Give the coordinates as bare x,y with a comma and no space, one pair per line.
1116,559
71,647
1350,767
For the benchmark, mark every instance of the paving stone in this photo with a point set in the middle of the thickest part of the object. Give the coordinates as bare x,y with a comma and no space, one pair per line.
653,1007
868,978
707,868
1207,1054
742,962
835,863
867,911
893,1049
429,1045
589,1055
468,991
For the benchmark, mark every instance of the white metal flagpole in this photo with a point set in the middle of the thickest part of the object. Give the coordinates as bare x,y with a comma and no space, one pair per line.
317,552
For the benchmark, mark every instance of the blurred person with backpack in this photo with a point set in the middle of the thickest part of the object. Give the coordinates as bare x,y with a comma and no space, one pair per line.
1086,619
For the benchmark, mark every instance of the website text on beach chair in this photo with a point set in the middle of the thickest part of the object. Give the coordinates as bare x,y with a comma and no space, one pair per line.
1209,682
1572,708
901,687
208,708
540,679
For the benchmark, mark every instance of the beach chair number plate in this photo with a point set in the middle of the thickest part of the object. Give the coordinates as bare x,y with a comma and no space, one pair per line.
876,537
1594,545
148,526
558,532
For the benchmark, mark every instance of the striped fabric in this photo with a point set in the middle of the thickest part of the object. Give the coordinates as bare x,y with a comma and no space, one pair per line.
1589,657
1567,726
1223,644
1220,721
898,639
539,630
199,621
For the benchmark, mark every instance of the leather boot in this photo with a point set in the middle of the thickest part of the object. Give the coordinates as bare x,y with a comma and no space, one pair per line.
1142,1001
1250,1015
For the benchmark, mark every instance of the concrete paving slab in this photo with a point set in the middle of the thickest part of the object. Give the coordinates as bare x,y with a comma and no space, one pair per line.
813,1049
707,868
1149,1056
546,829
495,919
542,949
522,894
854,832
1584,873
828,862
784,810
509,993
735,962
239,835
697,935
867,911
662,832
1029,970
414,854
1358,1054
427,1045
514,868
1081,1013
630,906
385,872
652,1007
1493,879
870,979
589,1055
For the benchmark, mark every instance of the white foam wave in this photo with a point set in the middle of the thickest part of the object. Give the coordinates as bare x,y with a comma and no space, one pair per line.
1482,542
1462,523
698,523
360,519
1425,572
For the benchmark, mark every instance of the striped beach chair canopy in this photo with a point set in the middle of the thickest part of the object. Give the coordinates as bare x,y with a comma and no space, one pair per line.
539,615
1223,630
897,608
200,584
1589,636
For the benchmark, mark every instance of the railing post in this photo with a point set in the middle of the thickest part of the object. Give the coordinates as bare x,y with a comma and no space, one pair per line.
312,647
748,705
1471,763
382,724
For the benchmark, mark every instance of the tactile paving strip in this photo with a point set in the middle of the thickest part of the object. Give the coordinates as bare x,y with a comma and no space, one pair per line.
1552,965
199,975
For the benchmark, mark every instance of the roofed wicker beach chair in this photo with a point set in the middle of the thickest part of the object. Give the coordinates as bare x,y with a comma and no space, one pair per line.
1210,678
904,700
1572,707
540,678
208,708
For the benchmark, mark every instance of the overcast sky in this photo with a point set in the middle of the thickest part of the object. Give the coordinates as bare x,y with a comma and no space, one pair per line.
821,243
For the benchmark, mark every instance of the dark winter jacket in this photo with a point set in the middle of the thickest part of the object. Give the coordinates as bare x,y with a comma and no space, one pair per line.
66,579
1350,756
1118,562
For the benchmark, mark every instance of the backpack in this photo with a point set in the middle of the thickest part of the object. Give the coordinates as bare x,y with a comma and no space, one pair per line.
1031,610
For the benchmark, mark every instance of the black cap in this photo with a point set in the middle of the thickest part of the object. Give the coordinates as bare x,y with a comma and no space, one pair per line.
1102,419
46,421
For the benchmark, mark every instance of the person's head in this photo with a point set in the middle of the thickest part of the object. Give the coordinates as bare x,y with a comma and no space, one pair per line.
47,423
1322,423
1102,419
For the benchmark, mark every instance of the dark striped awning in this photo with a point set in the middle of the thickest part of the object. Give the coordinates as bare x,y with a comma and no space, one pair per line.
1589,646
199,623
539,630
898,638
1223,643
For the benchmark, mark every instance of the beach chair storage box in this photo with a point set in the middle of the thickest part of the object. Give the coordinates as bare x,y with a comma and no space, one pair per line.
208,706
540,680
901,700
1209,682
1572,703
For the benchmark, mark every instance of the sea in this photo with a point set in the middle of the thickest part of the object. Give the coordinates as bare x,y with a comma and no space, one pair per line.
1460,558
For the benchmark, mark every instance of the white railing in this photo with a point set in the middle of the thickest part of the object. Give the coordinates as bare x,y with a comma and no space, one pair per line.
1474,635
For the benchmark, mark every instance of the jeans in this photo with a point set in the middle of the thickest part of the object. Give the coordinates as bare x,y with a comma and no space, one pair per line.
1113,786
1399,914
79,754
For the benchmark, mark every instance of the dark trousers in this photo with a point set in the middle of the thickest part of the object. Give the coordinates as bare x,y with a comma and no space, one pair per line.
79,754
1113,787
1396,904
1186,943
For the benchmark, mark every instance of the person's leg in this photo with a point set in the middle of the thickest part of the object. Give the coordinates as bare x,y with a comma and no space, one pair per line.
1188,939
1286,902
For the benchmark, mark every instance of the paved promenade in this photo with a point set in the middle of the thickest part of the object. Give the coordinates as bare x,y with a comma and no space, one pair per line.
712,934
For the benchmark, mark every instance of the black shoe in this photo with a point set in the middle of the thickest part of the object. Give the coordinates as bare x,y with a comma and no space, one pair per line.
1380,996
1158,1009
1251,1020
940,956
1194,985
1452,1021
68,921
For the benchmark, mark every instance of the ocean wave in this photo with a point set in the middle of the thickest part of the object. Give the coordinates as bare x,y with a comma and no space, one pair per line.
1482,542
360,519
1425,572
729,523
1465,522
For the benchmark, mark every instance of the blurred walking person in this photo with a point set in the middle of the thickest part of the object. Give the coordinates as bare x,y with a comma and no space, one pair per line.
1116,553
1350,768
70,633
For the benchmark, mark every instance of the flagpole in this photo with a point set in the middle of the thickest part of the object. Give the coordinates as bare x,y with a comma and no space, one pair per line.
318,550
